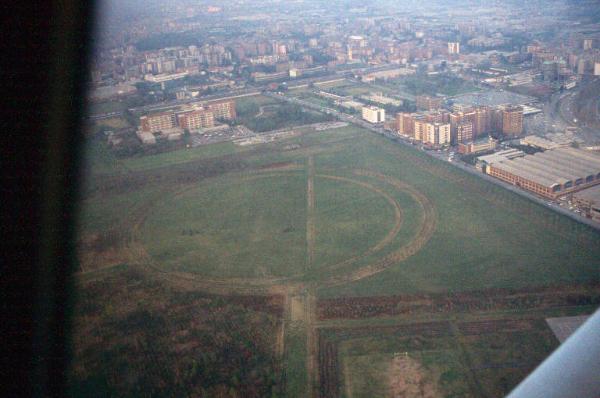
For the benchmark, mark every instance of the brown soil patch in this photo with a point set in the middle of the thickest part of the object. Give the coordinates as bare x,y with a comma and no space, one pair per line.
407,379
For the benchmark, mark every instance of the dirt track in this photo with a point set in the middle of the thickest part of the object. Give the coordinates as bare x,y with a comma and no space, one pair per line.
310,213
427,227
286,287
390,235
138,254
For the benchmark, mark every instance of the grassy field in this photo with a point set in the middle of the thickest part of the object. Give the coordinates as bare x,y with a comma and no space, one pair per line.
477,363
166,159
257,228
350,219
295,362
222,211
485,237
259,100
341,83
114,123
431,373
97,108
232,228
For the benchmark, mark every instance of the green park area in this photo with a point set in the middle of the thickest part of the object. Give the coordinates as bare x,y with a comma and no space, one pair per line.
483,237
270,249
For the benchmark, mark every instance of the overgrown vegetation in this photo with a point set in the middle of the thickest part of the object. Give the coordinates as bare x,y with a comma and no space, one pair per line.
433,84
126,344
282,117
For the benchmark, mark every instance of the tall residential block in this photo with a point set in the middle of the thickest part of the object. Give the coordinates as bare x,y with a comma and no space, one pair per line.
158,122
427,103
512,121
222,109
195,119
437,133
420,131
373,114
464,133
453,48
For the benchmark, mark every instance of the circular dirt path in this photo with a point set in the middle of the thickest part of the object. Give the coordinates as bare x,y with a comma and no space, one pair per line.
269,285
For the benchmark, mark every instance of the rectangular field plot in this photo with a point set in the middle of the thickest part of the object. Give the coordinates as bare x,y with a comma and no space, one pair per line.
415,373
441,359
499,361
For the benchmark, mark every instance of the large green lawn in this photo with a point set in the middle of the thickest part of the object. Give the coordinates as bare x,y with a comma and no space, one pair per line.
349,220
485,236
232,228
257,226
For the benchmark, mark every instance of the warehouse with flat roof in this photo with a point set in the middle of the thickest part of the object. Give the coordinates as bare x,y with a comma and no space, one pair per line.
551,173
588,201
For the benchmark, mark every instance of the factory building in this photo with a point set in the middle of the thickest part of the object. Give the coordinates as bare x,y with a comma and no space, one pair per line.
588,201
551,173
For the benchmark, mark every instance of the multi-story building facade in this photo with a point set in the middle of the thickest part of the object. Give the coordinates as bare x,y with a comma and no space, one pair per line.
222,109
192,117
373,114
437,116
453,48
427,103
437,133
420,129
512,121
464,133
481,121
158,122
195,119
482,145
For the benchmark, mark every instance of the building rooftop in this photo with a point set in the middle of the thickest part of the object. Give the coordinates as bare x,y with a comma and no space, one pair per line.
501,156
552,167
591,194
534,140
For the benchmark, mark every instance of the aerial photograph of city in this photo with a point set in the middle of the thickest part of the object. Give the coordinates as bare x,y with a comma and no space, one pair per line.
336,198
